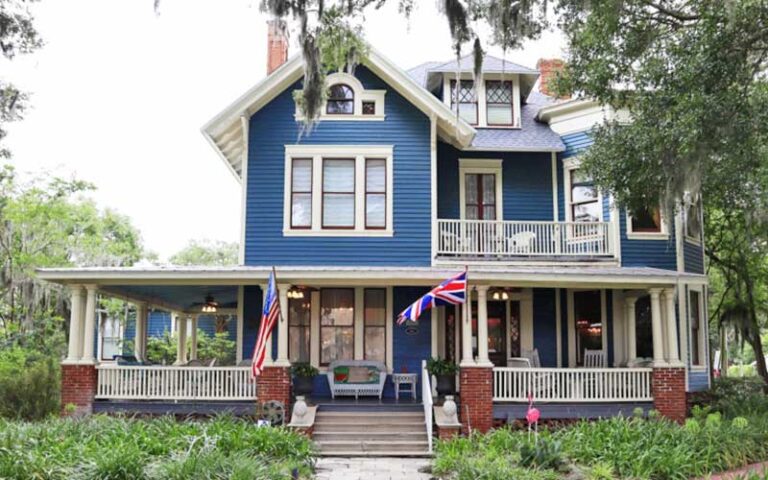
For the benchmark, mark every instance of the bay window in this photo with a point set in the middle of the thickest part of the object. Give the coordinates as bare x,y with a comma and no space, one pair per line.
338,190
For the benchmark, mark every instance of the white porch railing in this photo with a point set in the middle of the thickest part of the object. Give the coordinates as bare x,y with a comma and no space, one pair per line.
572,384
515,238
426,399
131,382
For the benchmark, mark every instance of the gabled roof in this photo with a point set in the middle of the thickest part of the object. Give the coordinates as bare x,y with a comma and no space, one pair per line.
227,132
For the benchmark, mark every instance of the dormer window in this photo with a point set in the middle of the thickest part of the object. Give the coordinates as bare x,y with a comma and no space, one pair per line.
498,100
465,100
341,100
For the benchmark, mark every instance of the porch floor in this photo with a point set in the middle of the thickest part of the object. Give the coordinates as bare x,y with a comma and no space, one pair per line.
163,407
366,404
564,411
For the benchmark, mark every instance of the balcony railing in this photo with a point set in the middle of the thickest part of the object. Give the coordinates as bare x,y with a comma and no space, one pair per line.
129,382
572,384
497,238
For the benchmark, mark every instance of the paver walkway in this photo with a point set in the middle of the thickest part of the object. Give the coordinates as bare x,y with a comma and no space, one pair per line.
371,468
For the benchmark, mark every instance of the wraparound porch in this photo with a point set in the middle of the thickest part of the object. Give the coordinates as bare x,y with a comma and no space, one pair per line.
541,303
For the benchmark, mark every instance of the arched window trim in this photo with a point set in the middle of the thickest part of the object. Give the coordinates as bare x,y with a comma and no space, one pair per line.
360,96
345,99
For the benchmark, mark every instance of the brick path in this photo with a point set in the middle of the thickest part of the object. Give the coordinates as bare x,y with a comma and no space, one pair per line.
371,468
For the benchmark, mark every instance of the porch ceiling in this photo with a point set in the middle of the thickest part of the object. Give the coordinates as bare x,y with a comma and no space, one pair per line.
202,279
183,298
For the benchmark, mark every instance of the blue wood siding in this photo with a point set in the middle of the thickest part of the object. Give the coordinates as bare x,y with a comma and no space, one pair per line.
252,298
158,323
646,253
694,257
207,324
698,381
526,183
545,325
405,127
575,143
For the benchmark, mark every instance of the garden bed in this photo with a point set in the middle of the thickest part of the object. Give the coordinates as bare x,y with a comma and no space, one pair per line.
115,448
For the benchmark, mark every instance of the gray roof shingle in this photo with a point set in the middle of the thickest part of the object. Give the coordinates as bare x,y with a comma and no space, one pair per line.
490,64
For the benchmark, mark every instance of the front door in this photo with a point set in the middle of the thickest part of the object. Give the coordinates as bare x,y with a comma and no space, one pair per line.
497,332
480,196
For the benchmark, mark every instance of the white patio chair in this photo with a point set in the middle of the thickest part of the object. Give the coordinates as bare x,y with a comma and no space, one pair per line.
518,362
521,243
532,356
594,359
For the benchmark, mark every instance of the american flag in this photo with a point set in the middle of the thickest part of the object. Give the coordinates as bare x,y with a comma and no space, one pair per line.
268,321
451,292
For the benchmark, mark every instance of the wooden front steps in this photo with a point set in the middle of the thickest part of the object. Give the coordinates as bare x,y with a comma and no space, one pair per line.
375,432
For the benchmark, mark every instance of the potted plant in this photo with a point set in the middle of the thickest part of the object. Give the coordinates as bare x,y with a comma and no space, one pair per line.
303,378
445,372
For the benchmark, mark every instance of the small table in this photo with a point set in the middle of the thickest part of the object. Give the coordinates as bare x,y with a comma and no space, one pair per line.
405,379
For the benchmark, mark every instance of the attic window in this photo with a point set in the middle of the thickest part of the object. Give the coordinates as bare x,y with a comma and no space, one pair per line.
341,100
498,100
369,108
465,100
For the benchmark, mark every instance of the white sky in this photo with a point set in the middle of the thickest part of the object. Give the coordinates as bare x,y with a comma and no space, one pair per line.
119,95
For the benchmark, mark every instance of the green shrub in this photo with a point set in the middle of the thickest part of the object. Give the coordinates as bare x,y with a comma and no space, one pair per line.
735,397
162,350
29,384
126,449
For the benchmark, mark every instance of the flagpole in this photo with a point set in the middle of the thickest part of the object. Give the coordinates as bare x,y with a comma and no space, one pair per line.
277,295
467,306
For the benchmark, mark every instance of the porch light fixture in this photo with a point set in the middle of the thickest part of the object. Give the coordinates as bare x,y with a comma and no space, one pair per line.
295,293
500,294
210,305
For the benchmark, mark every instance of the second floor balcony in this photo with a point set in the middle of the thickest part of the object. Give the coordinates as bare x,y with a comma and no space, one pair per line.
513,241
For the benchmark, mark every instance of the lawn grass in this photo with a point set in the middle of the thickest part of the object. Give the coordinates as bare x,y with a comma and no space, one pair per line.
115,448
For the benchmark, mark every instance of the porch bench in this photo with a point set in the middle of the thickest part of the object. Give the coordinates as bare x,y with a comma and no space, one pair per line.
356,377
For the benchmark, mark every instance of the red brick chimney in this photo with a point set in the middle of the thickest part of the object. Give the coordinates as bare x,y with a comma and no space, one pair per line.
277,44
548,68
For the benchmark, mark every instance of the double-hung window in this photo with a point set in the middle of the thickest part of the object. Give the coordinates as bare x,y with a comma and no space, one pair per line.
337,324
585,202
693,221
696,332
338,190
375,321
464,99
498,103
299,310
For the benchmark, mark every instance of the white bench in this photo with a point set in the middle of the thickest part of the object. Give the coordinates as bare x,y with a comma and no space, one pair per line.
357,389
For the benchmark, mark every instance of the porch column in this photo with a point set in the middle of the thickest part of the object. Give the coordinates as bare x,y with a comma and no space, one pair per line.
672,349
75,319
630,313
181,348
466,333
193,338
482,326
656,327
268,359
282,327
140,331
90,324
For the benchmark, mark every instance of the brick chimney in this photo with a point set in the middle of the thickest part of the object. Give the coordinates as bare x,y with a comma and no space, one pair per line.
548,68
277,44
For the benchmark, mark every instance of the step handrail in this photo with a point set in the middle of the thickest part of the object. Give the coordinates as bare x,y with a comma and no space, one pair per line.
426,399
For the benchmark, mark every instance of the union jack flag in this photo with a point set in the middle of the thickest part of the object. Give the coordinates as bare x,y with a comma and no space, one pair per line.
451,292
269,315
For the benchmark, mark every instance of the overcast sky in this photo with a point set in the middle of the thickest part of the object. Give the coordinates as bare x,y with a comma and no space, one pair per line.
119,95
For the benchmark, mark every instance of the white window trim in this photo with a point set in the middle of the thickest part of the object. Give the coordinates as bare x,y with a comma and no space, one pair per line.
481,165
662,235
361,95
569,165
688,238
359,325
317,153
571,306
482,117
702,329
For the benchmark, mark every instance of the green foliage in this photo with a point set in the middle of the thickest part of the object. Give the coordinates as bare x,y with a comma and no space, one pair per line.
29,384
162,349
733,397
439,366
206,252
613,448
119,448
303,369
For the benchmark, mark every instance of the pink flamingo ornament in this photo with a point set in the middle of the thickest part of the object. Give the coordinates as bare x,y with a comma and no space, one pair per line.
532,416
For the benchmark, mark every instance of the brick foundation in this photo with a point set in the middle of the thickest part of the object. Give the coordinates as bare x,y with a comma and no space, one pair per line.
447,433
274,383
669,396
477,394
78,388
